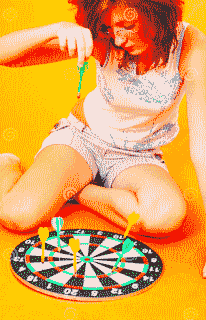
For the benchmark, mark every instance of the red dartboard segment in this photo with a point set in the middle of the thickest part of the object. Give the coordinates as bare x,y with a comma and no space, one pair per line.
50,259
58,269
140,276
98,236
72,287
37,244
78,276
102,276
94,245
145,260
112,287
66,236
40,275
94,280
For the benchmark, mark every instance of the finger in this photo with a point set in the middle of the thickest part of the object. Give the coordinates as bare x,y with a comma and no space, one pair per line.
62,40
88,42
72,46
81,47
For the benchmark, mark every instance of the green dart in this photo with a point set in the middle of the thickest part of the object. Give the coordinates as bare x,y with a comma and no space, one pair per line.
81,71
57,223
127,246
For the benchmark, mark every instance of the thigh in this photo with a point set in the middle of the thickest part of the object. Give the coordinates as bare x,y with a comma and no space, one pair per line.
57,173
10,172
160,200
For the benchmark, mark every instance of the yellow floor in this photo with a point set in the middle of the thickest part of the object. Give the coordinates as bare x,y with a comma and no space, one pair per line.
179,294
33,99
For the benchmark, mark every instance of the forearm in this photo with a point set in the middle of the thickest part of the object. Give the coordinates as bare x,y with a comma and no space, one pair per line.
17,43
200,170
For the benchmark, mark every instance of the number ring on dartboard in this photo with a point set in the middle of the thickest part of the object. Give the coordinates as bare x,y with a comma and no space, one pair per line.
94,280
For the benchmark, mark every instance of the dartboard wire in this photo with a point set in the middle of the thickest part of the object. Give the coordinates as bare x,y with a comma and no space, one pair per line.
33,251
48,265
79,298
117,275
108,274
64,245
117,285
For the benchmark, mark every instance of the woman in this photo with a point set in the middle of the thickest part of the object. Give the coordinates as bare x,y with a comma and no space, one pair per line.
117,130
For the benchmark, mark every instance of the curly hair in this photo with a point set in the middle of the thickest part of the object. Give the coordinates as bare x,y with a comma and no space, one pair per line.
159,20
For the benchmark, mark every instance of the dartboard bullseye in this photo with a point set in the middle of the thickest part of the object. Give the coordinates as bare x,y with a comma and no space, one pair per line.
94,280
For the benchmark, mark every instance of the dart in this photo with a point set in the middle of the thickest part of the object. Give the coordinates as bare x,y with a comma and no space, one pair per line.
92,271
57,223
43,235
75,246
81,71
132,219
127,246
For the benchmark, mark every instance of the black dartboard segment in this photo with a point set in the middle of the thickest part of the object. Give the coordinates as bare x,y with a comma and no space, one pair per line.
94,280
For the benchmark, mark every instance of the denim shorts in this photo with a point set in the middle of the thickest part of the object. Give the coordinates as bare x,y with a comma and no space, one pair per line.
105,161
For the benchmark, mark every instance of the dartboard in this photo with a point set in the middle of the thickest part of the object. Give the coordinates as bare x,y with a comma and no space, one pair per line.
94,280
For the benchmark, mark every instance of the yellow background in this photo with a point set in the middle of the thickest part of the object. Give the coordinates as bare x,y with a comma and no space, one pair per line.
32,100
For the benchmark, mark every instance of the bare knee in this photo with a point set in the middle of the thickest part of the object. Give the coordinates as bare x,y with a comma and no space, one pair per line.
166,216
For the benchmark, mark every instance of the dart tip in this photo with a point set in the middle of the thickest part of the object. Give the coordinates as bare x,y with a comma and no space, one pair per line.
59,249
78,96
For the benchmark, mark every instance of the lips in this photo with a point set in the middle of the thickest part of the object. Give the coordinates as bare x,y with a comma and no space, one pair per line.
129,48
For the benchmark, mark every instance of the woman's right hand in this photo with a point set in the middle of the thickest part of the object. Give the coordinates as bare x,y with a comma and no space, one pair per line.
75,39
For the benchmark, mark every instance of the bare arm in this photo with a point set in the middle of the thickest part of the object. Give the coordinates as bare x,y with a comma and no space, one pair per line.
196,111
47,44
17,48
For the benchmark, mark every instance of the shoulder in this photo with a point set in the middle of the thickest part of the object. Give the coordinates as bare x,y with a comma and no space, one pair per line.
193,45
196,48
195,40
194,37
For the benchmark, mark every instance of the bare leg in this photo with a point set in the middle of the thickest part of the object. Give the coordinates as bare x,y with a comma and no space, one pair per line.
10,172
160,212
114,204
34,197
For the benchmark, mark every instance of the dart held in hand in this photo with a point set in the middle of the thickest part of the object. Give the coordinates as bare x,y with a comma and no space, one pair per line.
81,71
132,219
43,235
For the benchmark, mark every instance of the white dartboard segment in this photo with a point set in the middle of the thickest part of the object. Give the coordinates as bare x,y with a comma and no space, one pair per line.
94,280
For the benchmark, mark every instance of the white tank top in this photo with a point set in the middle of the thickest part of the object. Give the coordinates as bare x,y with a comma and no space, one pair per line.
137,111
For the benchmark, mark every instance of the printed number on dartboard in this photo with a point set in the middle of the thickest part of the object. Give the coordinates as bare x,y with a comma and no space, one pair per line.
18,259
73,292
30,242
